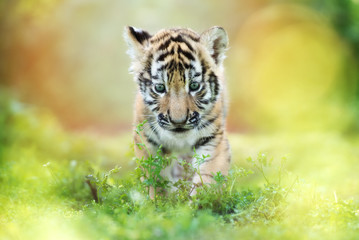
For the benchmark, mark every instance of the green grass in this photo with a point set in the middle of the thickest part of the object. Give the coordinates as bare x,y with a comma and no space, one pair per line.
59,185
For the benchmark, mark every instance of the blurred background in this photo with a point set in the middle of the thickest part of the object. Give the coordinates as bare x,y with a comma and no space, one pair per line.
292,66
66,107
292,72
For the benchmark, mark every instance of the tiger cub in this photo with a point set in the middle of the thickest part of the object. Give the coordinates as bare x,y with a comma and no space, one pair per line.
181,94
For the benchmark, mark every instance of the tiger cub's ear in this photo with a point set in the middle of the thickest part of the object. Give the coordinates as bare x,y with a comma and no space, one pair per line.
137,41
216,41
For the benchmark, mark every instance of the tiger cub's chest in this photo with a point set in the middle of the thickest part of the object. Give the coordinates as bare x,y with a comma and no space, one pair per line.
181,143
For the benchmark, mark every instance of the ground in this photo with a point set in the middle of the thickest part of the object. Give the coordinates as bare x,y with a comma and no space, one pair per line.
283,186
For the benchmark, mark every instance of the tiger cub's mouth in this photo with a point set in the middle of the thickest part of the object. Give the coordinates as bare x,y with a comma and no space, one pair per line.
190,123
180,129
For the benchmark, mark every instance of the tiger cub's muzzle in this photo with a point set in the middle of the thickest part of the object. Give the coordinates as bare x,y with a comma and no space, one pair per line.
182,124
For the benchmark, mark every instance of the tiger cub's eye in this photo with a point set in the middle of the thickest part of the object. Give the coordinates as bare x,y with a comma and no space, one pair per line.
160,88
194,86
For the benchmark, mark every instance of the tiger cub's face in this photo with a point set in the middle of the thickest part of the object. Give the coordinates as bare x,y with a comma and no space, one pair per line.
177,71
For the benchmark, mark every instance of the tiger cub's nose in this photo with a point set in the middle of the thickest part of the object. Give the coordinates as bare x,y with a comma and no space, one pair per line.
178,120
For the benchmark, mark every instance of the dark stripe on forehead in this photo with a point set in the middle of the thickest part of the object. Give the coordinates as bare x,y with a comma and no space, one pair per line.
178,39
170,65
187,33
187,54
193,38
186,66
169,77
180,67
164,45
165,54
184,57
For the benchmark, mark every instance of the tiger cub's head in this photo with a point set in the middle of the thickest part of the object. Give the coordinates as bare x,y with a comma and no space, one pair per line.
178,73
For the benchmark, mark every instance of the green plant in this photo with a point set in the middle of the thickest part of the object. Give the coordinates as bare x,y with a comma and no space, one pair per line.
99,184
149,169
221,196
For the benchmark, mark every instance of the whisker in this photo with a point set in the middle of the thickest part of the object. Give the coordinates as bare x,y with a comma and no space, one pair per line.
152,129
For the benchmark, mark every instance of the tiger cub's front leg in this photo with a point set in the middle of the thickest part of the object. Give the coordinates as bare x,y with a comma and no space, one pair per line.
218,161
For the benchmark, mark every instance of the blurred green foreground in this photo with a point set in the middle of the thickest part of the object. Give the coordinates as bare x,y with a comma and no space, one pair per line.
309,191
